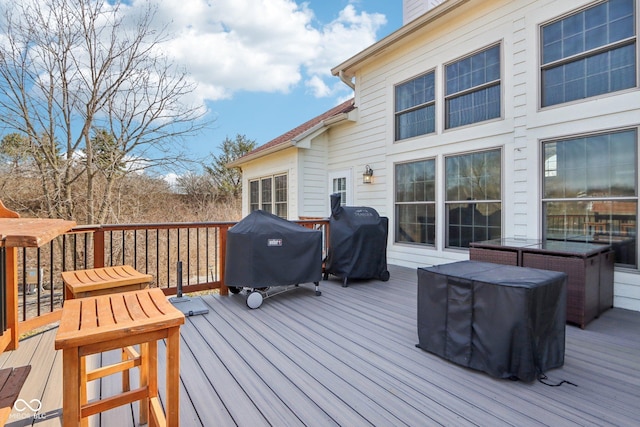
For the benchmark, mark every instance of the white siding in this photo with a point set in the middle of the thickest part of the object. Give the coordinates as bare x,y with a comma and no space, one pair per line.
411,9
313,162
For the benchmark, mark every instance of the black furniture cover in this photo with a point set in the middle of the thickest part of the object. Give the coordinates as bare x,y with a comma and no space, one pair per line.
503,320
265,250
357,243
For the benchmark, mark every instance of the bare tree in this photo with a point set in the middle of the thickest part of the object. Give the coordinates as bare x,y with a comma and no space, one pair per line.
199,190
74,72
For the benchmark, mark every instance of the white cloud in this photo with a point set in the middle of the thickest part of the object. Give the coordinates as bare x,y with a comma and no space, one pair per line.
318,87
171,178
265,46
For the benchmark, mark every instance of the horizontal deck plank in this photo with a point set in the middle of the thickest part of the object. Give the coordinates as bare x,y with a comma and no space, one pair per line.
348,358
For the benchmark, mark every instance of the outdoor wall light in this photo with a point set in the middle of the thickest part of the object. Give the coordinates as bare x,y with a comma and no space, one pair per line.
367,176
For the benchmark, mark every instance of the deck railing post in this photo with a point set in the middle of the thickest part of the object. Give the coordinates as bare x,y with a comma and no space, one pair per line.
98,248
11,274
224,290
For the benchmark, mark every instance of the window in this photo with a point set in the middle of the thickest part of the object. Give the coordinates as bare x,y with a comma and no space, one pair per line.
590,191
589,53
340,187
269,194
280,202
254,195
415,107
473,197
266,197
473,88
415,202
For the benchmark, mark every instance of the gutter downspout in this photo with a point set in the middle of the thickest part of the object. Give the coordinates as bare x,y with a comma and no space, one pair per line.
346,81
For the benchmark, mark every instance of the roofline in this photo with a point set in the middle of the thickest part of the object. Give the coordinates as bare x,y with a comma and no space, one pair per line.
403,32
327,123
249,157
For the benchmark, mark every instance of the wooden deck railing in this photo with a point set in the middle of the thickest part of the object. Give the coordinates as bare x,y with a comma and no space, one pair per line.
155,249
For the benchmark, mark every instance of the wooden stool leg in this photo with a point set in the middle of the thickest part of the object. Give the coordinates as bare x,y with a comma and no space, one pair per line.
144,380
71,387
84,422
126,386
173,377
153,381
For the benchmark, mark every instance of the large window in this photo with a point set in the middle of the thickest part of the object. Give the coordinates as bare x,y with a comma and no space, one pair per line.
269,194
590,191
473,197
473,88
415,107
589,53
415,202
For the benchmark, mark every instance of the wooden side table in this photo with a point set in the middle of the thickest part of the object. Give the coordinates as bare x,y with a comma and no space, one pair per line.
107,322
17,233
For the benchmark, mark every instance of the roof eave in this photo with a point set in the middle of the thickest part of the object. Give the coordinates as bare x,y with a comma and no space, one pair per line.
321,127
312,132
250,157
442,9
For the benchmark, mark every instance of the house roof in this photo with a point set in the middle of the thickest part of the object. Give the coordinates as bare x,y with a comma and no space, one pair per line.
292,137
348,68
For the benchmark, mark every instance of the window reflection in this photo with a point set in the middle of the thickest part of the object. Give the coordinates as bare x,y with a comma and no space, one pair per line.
590,191
415,202
473,192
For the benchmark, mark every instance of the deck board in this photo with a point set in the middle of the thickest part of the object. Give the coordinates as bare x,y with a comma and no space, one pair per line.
348,358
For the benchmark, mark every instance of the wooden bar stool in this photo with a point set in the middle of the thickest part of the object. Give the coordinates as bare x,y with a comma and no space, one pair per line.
104,280
96,324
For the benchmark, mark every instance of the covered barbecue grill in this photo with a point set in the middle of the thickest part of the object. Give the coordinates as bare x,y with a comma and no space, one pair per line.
265,251
357,243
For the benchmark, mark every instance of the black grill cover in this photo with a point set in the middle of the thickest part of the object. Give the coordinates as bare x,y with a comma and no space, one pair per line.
503,320
265,250
357,242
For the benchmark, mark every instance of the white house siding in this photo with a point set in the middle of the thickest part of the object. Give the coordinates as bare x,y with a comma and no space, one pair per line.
313,161
473,26
352,148
411,9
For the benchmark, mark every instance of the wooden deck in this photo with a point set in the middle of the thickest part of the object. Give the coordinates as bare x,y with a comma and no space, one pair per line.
348,358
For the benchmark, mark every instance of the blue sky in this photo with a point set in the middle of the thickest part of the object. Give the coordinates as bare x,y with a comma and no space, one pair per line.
261,67
267,71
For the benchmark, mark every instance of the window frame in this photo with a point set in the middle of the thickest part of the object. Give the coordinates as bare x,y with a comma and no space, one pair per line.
448,97
433,203
583,55
274,205
469,202
397,114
